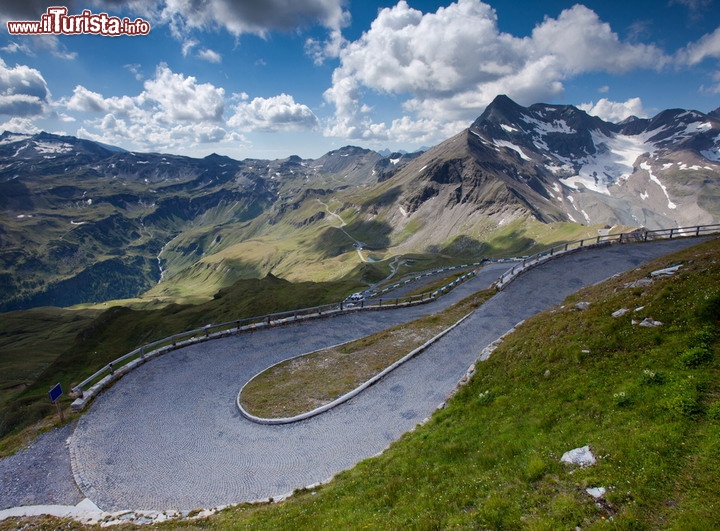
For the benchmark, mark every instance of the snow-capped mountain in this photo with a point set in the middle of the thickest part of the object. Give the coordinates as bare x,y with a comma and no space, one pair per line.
657,172
81,221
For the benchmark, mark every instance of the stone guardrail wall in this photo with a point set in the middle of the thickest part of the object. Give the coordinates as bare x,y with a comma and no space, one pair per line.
626,237
89,388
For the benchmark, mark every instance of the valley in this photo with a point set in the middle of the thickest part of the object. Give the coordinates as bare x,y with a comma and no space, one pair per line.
84,223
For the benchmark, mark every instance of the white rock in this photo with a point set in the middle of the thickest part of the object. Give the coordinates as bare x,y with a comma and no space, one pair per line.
649,322
641,283
621,311
596,492
665,272
579,456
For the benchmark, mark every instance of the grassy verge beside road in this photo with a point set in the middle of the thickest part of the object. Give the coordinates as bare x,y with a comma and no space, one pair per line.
307,382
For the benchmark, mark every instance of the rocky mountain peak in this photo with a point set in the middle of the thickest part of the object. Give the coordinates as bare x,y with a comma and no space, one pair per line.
502,110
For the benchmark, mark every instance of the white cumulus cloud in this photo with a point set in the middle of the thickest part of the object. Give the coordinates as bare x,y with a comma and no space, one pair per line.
707,46
172,111
23,91
211,56
278,113
182,98
84,100
614,111
448,65
248,16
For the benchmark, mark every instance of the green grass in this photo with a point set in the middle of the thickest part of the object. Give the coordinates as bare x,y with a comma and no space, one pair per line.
646,400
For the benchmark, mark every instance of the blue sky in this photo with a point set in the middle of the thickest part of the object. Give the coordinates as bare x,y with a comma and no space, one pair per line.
269,79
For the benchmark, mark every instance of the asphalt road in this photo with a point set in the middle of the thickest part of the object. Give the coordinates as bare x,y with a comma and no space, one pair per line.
169,435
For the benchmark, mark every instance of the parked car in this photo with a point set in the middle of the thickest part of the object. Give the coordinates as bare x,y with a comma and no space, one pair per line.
355,297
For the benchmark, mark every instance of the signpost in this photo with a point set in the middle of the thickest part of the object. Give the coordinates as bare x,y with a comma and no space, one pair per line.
55,393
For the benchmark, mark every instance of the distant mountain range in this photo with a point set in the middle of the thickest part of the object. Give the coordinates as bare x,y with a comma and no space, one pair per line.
85,222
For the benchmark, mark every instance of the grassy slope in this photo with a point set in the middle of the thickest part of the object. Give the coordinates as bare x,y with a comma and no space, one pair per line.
29,343
79,345
646,400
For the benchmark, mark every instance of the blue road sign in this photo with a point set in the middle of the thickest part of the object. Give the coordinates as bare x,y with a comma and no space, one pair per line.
55,392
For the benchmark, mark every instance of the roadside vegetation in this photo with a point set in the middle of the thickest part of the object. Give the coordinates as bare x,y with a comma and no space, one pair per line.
307,382
645,399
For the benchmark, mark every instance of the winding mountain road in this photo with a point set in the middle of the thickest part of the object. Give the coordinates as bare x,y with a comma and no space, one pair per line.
169,435
358,245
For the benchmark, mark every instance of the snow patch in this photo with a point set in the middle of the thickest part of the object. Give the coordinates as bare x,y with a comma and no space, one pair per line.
645,166
613,161
713,153
11,139
510,145
557,126
53,147
394,161
509,129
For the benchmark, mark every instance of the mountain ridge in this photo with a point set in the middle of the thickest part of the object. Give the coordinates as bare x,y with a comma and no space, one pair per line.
166,223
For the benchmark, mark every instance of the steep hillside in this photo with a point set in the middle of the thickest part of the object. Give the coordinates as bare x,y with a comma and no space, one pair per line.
82,222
